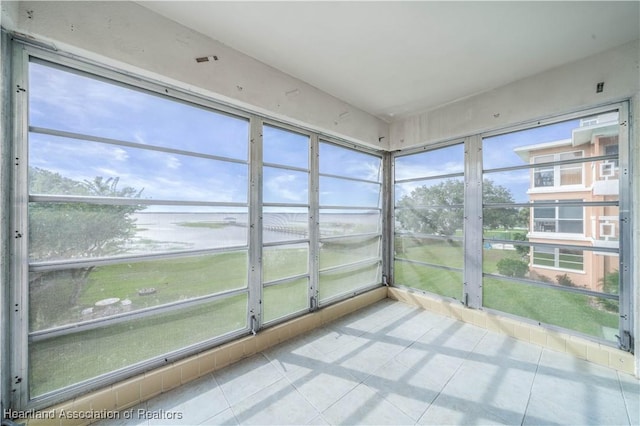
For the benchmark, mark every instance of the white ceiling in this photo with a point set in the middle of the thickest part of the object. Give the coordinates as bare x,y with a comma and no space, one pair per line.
396,58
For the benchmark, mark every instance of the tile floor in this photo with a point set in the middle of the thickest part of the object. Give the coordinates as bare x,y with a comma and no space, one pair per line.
395,364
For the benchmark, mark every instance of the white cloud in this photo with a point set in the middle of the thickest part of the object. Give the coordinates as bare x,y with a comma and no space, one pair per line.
280,187
120,154
409,171
173,163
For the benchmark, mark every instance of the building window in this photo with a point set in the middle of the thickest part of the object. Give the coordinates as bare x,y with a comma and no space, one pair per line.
557,175
558,258
559,219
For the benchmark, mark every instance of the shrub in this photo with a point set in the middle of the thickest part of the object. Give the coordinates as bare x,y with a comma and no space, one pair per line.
513,268
564,280
537,276
521,250
610,282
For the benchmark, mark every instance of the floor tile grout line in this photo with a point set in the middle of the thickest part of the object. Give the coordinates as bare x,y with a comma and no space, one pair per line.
533,382
624,400
359,383
391,360
453,375
254,393
233,413
293,385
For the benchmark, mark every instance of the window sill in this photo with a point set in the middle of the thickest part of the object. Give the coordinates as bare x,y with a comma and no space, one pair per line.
556,189
553,268
558,236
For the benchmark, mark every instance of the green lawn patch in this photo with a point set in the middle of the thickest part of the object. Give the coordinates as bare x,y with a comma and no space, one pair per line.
69,359
585,314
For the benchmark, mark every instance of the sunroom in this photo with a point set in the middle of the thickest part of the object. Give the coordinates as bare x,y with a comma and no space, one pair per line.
177,198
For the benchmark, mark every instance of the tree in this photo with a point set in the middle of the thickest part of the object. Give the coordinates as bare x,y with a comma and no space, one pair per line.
524,217
425,209
498,217
77,230
73,230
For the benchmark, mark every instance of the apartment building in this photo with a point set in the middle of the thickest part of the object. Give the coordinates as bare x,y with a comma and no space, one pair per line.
577,184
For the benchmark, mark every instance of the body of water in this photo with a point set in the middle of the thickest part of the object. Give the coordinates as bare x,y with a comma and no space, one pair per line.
162,232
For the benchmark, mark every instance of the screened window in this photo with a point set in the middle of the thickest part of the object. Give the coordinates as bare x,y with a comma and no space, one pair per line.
429,220
137,215
285,223
554,259
350,225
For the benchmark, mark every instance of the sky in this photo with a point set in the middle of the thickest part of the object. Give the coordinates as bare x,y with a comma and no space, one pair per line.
67,101
497,152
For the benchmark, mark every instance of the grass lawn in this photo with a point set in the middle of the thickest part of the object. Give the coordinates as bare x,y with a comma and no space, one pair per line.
577,312
52,301
568,310
62,361
284,299
72,358
337,282
65,360
434,280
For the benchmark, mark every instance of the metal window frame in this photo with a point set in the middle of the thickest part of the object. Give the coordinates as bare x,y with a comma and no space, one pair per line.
474,174
473,223
466,273
318,208
136,145
626,332
22,54
308,206
6,173
20,269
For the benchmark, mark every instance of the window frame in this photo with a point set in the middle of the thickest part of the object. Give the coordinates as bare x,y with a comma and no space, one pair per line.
20,363
557,251
381,232
429,177
557,221
474,206
18,331
557,171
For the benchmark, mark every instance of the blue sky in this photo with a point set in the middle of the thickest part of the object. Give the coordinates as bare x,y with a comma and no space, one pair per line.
497,152
67,101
